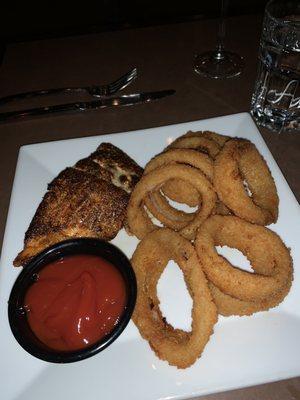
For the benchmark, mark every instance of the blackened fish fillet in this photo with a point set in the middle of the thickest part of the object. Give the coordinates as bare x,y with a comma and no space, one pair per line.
87,200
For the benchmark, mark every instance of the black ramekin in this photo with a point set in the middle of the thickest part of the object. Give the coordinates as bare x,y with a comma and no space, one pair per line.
18,316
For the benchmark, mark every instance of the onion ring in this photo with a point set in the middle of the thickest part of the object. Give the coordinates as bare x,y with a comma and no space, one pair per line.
183,156
139,223
173,218
185,194
161,209
217,137
239,160
177,347
228,305
269,257
174,189
157,204
220,139
210,143
200,143
221,209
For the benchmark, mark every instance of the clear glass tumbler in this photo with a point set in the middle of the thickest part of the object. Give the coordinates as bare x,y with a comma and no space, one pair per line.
276,98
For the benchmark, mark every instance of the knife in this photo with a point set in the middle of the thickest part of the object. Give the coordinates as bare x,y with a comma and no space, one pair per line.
113,101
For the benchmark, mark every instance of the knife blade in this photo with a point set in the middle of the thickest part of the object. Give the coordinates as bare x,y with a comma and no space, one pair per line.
104,102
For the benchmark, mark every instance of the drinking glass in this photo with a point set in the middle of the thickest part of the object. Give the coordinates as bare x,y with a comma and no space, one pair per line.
276,97
219,63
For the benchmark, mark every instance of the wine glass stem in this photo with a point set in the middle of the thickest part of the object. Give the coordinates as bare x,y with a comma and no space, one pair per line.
221,31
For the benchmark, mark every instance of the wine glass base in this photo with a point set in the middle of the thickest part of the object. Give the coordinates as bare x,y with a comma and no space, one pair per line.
214,64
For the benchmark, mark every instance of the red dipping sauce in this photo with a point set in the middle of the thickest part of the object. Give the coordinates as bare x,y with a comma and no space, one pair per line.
75,302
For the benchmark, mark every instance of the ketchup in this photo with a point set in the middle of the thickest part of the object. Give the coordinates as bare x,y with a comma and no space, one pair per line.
75,301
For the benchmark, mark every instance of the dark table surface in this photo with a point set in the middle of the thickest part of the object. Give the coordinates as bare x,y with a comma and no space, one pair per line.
163,56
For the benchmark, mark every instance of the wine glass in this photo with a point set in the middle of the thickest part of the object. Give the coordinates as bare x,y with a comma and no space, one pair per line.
219,63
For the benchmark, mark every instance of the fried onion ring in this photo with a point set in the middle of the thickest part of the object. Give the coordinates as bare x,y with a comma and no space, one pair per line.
162,210
221,209
182,193
185,194
172,189
269,258
228,305
183,156
177,347
220,139
217,137
200,143
173,218
239,160
139,223
157,204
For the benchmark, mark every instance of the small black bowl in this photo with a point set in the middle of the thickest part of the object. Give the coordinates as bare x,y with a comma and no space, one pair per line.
18,316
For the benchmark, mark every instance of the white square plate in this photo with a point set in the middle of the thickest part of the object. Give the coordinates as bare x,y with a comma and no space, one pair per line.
242,351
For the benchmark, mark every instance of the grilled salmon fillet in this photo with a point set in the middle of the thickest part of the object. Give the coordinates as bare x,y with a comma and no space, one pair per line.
86,200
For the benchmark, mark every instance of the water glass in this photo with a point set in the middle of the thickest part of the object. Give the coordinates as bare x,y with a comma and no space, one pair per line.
276,97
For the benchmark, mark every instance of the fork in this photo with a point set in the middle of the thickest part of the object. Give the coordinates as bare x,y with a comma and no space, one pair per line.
94,90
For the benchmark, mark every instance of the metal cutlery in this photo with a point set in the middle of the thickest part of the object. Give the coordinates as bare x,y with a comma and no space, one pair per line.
103,102
94,90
